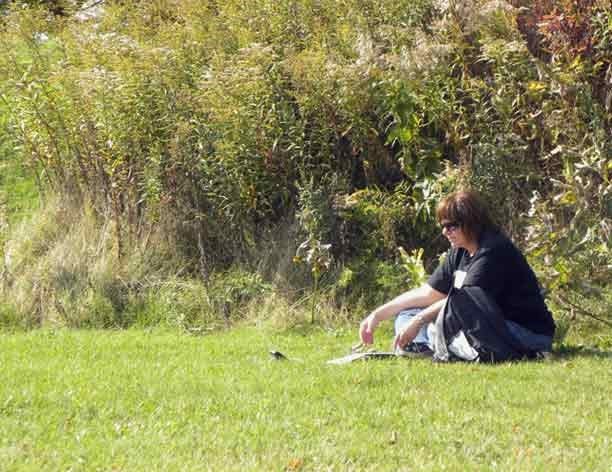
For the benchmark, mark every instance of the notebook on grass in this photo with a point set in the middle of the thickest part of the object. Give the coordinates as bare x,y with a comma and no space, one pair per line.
363,356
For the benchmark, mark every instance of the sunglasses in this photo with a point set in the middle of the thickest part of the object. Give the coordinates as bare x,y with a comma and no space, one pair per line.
450,226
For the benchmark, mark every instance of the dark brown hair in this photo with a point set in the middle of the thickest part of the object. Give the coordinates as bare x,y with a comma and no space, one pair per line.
467,209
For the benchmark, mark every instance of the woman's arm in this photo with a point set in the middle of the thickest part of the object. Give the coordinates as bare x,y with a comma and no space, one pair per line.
423,296
410,332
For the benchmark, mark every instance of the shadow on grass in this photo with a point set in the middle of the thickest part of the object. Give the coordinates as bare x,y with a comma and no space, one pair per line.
565,352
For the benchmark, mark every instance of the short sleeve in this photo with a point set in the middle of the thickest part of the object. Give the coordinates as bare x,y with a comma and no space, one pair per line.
442,278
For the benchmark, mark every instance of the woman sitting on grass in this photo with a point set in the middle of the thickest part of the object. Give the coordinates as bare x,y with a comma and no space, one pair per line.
483,302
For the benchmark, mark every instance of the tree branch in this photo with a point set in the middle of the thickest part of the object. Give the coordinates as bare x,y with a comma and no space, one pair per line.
580,309
91,5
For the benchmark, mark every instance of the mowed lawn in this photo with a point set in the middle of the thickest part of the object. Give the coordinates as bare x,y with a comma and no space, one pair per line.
160,400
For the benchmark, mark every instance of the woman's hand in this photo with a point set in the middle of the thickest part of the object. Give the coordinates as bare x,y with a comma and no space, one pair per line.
366,329
408,333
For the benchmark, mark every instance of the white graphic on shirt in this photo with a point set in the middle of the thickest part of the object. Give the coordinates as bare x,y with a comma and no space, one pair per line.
459,278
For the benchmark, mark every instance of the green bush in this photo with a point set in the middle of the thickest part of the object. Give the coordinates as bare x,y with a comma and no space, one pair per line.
200,138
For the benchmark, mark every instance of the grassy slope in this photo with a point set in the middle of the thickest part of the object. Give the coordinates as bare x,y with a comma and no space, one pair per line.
139,400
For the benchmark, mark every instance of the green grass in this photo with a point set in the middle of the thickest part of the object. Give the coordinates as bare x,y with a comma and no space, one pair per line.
159,400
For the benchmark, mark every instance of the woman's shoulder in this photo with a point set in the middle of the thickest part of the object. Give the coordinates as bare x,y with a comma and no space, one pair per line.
496,245
495,240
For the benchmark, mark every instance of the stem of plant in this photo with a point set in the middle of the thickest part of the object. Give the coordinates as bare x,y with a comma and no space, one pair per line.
314,296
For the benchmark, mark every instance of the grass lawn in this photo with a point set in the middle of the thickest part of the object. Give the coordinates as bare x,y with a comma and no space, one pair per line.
159,400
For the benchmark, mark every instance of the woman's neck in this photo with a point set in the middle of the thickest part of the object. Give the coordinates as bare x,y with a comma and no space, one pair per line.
471,248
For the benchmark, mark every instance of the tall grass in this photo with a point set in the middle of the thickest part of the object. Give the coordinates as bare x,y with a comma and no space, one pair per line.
61,268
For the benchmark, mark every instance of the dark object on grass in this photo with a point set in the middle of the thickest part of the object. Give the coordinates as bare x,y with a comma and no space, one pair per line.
278,356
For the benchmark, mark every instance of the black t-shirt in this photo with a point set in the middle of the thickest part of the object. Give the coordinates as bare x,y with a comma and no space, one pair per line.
502,271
